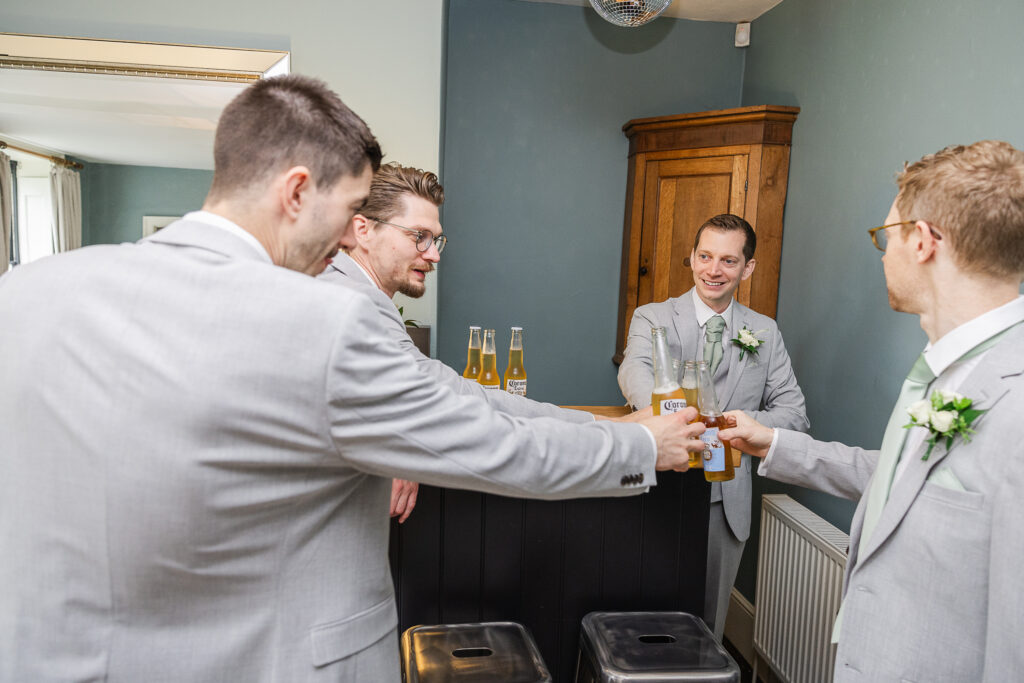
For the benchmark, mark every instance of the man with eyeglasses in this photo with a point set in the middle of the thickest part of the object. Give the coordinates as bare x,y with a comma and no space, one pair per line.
398,240
932,590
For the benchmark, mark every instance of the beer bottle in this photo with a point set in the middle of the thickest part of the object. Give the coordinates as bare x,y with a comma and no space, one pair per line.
689,382
472,370
515,373
717,453
489,377
667,396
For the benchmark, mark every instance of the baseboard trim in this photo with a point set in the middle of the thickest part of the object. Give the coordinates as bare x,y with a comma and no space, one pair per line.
739,625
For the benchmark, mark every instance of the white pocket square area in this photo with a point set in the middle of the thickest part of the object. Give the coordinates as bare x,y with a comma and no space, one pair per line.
944,477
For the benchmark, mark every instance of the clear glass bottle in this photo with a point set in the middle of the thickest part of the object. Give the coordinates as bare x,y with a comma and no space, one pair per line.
667,396
717,453
489,377
689,383
515,373
472,370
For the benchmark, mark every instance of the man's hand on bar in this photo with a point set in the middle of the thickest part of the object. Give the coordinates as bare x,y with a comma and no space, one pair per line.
636,416
676,438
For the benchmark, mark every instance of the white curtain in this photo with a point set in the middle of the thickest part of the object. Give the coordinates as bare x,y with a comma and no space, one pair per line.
6,210
66,192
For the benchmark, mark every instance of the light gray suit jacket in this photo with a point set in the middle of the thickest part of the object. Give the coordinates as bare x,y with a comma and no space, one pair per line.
195,462
345,272
762,385
935,597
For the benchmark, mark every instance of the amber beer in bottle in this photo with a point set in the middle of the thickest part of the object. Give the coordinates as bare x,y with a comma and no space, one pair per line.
667,396
472,370
489,377
689,382
717,453
515,373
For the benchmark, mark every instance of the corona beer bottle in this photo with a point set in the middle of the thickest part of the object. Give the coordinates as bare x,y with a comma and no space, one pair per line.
667,396
689,382
717,454
489,377
472,370
515,373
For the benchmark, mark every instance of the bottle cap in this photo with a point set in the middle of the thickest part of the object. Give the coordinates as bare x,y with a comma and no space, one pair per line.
517,328
474,327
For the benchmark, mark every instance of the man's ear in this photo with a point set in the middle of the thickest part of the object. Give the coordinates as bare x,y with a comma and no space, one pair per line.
362,227
293,186
748,269
926,244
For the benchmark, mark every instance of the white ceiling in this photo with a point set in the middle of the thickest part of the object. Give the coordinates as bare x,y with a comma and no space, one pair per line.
114,119
733,11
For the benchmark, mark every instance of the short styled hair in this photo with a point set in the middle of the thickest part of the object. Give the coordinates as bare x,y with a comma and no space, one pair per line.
392,182
727,222
974,195
287,121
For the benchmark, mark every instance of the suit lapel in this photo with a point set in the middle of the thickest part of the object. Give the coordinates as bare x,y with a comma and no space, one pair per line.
735,367
986,386
684,320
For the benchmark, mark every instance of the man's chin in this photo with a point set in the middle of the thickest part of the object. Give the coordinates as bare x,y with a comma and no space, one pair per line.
413,291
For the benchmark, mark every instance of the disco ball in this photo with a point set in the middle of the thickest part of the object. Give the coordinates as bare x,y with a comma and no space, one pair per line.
630,12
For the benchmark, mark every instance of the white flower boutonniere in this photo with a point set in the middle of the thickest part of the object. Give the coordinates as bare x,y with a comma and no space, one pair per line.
747,341
945,415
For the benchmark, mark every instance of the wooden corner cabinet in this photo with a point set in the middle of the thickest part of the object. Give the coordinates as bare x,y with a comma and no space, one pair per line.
687,168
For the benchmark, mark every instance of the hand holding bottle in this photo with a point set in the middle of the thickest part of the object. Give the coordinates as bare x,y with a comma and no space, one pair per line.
747,434
675,437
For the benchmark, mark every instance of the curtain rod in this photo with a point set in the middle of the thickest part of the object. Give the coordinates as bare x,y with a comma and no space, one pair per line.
55,160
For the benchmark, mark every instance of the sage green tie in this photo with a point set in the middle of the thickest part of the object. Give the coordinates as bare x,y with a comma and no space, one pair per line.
914,388
713,342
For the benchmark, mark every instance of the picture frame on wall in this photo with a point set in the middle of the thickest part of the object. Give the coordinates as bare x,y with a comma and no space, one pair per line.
150,224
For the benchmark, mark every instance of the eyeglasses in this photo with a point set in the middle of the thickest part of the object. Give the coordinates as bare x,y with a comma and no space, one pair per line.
423,237
881,239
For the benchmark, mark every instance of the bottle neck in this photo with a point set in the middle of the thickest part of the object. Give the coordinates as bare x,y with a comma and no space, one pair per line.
707,400
664,382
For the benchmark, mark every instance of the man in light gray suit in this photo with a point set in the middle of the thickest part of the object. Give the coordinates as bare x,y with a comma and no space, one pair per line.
932,590
198,436
398,239
700,324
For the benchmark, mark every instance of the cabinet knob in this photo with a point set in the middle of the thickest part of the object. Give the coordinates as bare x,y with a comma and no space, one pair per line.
643,270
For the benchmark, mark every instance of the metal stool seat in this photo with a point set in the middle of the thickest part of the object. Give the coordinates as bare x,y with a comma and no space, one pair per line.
654,647
492,652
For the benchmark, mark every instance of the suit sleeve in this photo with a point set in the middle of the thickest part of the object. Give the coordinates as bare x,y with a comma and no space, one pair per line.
782,403
636,373
389,419
832,468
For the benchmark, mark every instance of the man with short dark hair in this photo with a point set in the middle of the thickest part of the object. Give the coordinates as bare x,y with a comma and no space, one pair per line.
932,590
398,239
703,324
198,437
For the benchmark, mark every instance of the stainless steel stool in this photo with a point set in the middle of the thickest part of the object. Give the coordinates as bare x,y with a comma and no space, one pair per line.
492,652
653,647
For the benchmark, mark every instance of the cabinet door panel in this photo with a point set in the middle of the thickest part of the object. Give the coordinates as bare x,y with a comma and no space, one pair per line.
681,194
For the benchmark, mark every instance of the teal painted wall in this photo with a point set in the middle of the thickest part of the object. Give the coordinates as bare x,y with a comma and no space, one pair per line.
534,168
878,83
115,198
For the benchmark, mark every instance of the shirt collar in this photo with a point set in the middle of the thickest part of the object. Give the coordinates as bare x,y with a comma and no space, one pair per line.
954,344
704,312
230,226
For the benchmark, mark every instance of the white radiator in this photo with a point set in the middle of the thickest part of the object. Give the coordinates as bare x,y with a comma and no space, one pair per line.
799,584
